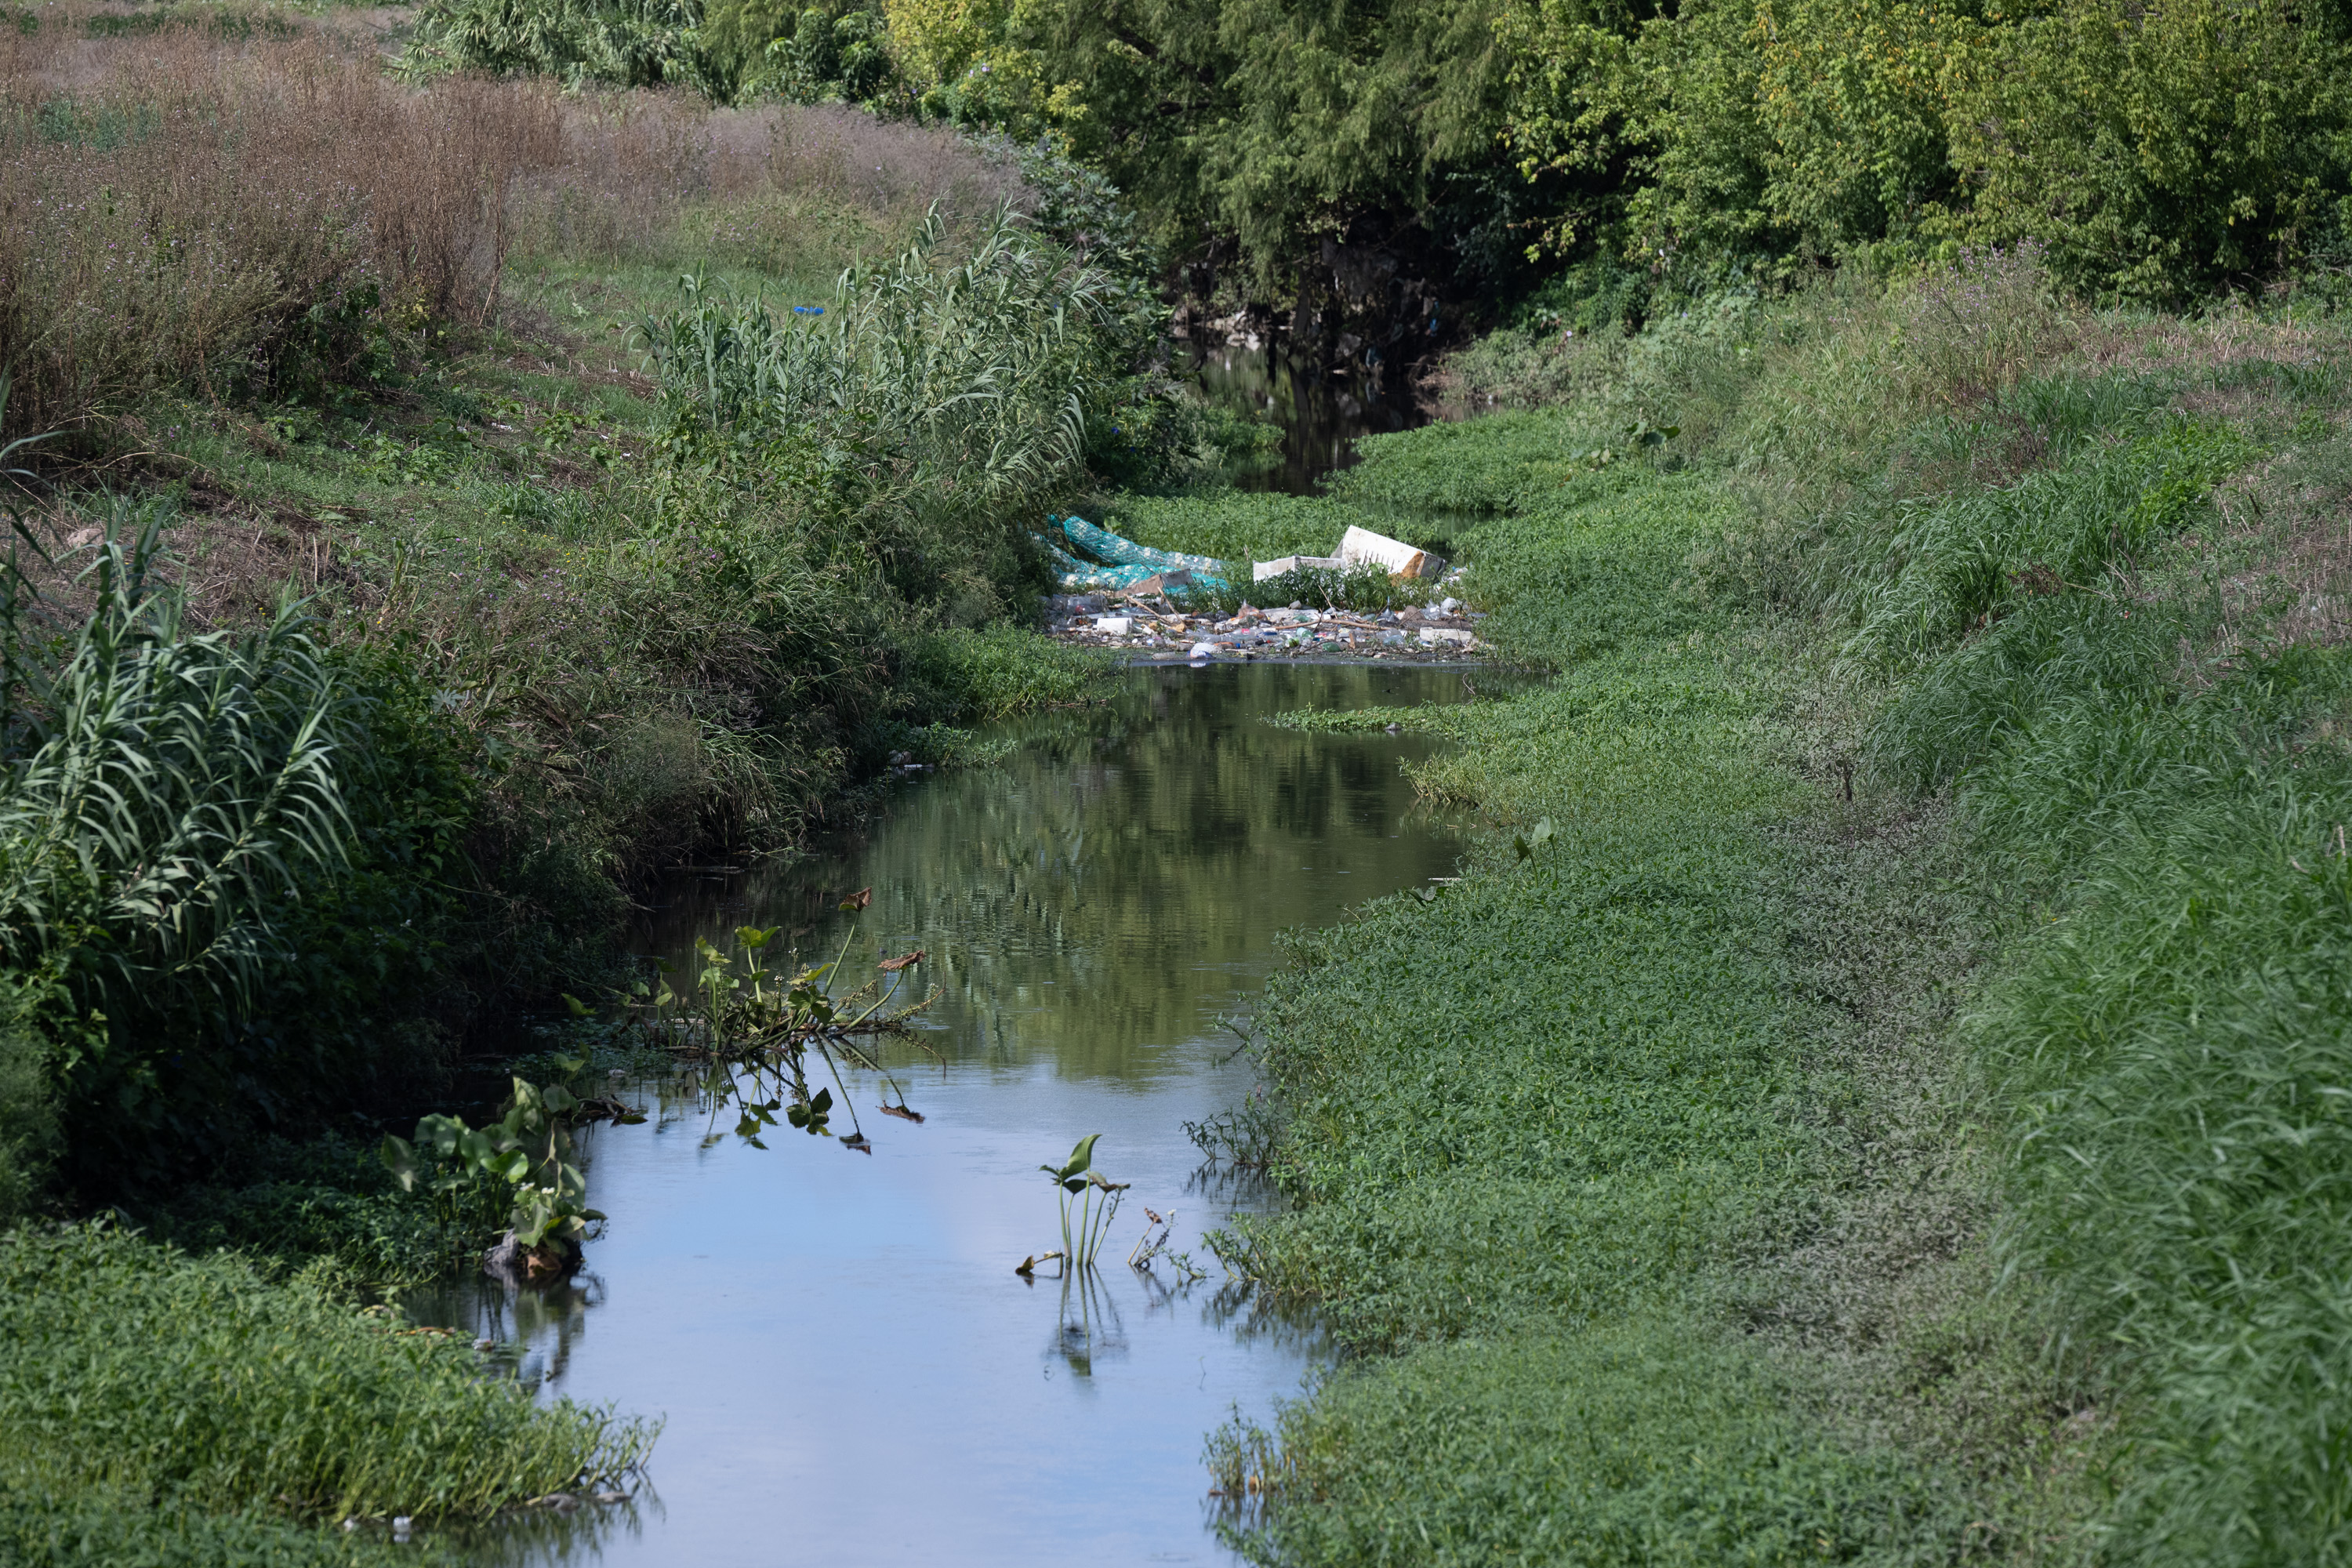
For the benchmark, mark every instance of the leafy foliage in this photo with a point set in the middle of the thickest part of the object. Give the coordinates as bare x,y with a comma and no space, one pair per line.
100,1527
529,1148
1727,135
328,1210
733,51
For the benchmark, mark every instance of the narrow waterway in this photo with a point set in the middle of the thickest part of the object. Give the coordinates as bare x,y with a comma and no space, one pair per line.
849,1369
1321,408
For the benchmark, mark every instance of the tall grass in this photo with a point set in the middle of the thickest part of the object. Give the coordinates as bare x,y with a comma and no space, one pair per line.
169,788
788,190
976,372
174,212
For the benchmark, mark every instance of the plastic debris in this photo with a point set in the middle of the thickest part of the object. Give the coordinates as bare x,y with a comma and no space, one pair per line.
1361,547
1109,546
1131,567
1276,567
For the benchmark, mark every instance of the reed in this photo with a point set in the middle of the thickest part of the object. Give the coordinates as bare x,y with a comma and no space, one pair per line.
975,375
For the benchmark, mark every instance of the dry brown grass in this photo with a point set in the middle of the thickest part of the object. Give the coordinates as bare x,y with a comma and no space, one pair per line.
186,207
180,208
2283,543
661,177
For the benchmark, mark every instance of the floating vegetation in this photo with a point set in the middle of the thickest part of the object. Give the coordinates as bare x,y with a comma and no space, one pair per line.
755,1030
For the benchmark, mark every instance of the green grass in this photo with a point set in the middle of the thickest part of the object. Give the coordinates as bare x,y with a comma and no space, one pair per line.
200,1384
1736,1174
1531,1124
1632,1444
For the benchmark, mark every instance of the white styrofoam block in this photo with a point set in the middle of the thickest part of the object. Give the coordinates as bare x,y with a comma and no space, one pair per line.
1363,545
1264,569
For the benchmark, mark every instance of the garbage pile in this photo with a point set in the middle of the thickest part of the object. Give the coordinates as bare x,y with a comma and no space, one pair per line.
1132,596
1122,565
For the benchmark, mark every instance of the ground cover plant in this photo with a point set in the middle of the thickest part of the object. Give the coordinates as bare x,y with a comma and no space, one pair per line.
1892,989
282,1398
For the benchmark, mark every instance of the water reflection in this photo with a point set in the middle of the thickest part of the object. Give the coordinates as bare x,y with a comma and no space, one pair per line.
840,1341
1105,894
1320,413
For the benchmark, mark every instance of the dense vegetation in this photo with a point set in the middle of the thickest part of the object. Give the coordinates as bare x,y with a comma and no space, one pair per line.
437,509
552,624
1370,162
1874,1098
1877,1095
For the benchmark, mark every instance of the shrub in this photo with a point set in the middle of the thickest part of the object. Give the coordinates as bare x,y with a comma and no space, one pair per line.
217,855
1723,136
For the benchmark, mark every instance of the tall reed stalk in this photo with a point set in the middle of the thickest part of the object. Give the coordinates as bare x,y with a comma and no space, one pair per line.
164,791
980,373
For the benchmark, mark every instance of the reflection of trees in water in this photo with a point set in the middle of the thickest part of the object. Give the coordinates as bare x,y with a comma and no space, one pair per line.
533,1327
1084,896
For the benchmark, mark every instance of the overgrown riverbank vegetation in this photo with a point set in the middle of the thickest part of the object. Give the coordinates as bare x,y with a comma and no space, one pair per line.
437,510
1877,1095
1874,1098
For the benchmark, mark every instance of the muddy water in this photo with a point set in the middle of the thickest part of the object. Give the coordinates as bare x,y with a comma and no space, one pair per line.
849,1369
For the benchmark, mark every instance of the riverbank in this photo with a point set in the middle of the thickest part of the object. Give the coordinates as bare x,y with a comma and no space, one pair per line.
1807,1131
411,575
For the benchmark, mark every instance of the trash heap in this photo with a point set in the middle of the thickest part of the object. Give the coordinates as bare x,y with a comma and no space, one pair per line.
1129,596
1122,565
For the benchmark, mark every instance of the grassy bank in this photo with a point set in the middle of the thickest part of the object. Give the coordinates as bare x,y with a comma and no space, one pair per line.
1873,1096
441,507
444,422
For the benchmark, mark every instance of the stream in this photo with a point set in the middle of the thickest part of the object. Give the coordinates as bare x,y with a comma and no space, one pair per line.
1321,409
849,1370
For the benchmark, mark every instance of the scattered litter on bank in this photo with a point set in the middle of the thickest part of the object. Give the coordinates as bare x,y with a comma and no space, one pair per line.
1133,597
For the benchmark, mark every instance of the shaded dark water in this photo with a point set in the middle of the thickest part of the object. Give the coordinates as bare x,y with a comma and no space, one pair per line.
1320,413
849,1369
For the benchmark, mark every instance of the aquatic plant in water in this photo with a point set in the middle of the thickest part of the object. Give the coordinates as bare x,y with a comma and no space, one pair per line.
1097,1203
530,1147
756,1029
